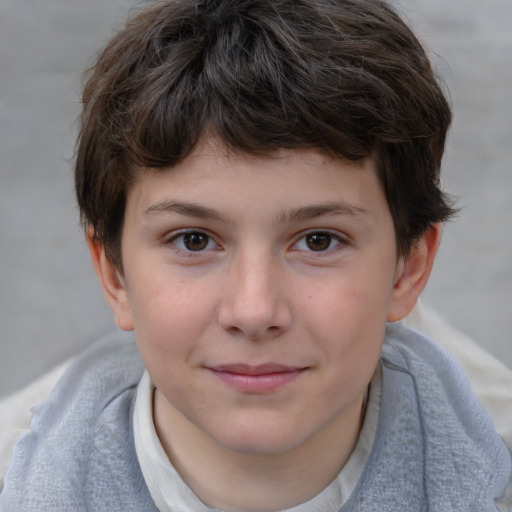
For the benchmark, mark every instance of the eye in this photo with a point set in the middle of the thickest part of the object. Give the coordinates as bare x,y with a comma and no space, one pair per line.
318,241
193,241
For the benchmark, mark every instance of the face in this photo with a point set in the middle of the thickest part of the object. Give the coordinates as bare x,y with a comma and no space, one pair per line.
259,289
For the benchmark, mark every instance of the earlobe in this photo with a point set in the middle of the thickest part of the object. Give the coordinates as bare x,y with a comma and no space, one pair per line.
112,283
413,273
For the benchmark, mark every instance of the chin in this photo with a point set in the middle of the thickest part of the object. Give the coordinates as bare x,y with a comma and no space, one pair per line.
260,438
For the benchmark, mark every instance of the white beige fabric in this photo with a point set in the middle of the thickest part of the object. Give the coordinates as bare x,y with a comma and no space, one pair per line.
491,381
170,493
15,413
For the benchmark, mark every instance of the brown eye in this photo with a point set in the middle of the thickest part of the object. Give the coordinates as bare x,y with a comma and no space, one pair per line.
318,241
195,241
190,243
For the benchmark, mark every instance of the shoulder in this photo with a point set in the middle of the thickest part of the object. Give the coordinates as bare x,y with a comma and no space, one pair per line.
436,381
107,370
82,431
430,414
490,379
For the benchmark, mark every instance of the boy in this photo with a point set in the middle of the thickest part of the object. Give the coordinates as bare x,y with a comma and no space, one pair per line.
259,181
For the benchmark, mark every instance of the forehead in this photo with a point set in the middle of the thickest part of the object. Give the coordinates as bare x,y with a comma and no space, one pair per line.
230,180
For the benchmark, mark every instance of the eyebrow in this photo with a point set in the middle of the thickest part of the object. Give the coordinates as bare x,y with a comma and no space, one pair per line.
187,209
322,210
293,215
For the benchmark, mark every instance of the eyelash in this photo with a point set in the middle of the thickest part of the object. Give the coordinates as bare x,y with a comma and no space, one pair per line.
174,241
332,237
209,241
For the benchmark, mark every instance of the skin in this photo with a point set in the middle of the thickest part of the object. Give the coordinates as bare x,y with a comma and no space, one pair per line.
259,289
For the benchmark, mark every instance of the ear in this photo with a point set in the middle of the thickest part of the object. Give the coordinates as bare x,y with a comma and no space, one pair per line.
412,274
112,282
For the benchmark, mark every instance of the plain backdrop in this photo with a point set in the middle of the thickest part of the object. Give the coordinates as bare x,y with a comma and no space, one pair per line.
50,303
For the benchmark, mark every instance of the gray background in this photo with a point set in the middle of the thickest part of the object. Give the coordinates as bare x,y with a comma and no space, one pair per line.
50,303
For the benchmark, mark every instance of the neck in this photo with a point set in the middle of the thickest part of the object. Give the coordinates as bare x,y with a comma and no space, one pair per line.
248,482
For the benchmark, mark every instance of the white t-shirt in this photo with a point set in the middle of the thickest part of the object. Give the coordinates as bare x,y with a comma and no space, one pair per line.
490,380
171,494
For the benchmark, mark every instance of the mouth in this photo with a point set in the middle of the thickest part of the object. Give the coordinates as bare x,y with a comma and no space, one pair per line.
260,379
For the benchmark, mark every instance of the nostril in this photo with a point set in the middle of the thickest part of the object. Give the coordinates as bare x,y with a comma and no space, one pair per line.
255,313
271,332
234,330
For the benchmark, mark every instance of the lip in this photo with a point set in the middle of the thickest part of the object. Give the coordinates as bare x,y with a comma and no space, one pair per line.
260,379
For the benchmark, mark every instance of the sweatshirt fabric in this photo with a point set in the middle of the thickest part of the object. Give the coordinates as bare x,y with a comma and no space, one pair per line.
170,493
434,450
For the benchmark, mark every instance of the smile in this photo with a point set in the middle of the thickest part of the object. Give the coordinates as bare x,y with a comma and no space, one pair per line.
260,379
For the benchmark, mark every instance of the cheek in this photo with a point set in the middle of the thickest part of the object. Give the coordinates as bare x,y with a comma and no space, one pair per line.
349,301
348,322
170,318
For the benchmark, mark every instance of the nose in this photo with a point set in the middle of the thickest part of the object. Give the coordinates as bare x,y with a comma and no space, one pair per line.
256,300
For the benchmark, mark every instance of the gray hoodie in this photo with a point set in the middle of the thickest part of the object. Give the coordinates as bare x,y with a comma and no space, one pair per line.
435,449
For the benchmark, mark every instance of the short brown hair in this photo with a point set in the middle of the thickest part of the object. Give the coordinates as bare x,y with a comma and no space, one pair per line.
346,77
